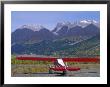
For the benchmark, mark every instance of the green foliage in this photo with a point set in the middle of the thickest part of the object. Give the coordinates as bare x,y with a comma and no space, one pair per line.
65,47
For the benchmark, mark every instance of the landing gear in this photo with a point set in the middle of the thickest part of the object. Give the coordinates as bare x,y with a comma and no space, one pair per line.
50,71
65,72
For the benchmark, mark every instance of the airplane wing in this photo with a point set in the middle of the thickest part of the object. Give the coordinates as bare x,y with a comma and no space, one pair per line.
52,59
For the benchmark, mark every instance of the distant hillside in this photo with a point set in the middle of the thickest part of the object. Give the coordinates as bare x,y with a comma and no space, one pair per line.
89,47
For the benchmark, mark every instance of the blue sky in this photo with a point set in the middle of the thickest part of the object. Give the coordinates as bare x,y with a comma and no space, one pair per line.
49,19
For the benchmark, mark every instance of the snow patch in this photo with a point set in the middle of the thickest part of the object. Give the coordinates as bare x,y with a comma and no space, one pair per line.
34,27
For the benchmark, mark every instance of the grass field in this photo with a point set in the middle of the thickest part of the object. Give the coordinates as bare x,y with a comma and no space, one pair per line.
38,68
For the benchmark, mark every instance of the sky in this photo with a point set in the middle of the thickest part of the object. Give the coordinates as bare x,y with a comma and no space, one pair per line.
49,19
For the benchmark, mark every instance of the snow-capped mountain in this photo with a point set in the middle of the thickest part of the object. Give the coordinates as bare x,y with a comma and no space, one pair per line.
33,33
84,23
81,23
34,27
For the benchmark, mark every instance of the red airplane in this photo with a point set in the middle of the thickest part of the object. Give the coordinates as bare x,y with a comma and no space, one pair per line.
59,64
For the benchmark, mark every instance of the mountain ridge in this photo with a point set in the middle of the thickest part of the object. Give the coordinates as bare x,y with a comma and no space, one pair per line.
26,34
